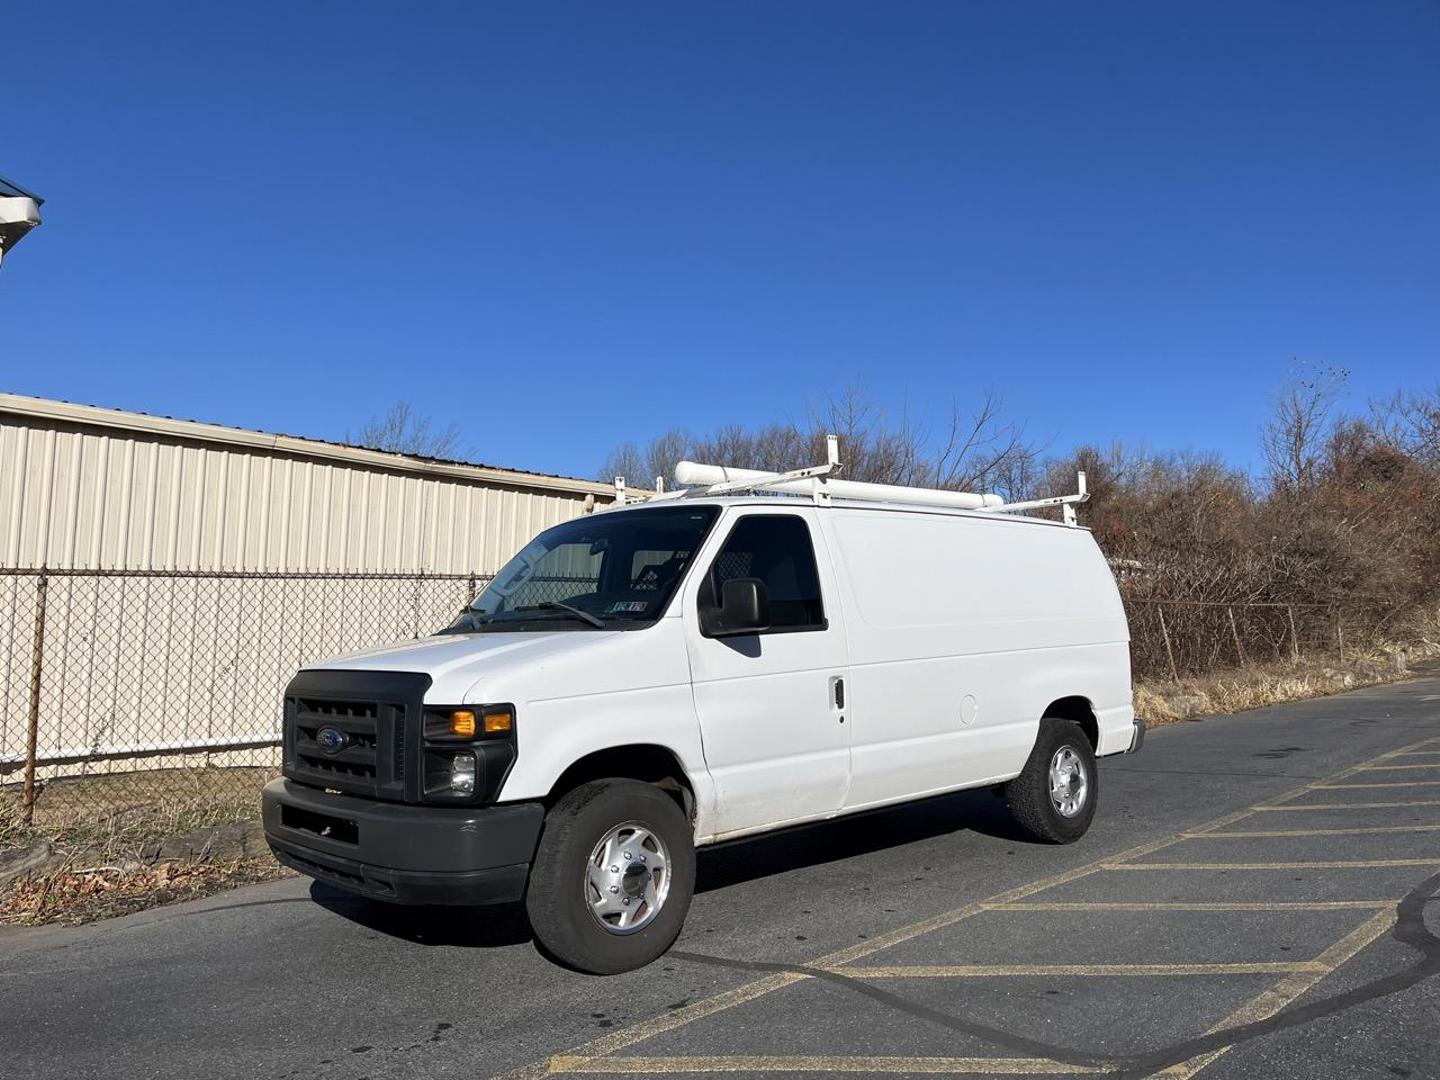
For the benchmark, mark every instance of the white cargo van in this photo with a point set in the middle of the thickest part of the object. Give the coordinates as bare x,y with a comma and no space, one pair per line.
753,653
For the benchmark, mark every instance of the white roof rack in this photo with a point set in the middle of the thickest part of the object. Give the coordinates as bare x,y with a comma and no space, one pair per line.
820,484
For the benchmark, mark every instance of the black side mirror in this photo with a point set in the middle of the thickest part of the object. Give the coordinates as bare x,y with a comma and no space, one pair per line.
744,609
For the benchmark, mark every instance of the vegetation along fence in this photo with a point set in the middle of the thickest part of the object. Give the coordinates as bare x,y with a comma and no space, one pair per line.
136,688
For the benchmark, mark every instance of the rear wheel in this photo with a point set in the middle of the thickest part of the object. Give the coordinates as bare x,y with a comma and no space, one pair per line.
1053,798
612,878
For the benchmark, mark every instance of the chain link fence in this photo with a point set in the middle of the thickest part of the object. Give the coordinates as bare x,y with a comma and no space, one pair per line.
154,697
1178,638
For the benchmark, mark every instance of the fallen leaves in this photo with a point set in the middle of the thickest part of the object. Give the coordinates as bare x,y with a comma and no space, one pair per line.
73,896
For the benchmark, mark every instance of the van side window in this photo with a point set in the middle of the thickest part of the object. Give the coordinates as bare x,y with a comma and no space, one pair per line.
777,550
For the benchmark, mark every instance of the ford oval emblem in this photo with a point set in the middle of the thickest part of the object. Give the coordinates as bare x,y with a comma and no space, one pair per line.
331,740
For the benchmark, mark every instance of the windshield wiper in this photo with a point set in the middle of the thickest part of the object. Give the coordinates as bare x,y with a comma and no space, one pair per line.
474,619
556,605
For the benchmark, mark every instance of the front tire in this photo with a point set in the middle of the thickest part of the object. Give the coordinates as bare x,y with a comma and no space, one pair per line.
1053,798
613,877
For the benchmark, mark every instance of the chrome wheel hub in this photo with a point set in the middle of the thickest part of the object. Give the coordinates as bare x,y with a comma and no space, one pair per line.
1069,786
627,878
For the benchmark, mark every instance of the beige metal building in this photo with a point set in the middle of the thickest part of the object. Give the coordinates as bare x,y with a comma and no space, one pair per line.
192,568
101,488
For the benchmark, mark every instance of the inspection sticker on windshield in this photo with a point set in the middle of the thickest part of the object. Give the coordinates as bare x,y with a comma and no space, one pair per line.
629,605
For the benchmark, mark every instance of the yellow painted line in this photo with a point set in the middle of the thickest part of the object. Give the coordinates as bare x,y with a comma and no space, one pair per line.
1310,832
657,1025
1007,971
826,1063
1347,806
1335,865
1219,905
1391,783
896,937
1270,1001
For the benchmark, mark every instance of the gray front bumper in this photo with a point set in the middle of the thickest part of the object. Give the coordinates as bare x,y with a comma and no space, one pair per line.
401,853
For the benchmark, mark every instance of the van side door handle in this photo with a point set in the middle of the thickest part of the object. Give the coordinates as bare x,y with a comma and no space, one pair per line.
839,693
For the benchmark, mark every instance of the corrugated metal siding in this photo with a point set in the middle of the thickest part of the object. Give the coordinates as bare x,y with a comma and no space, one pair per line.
81,497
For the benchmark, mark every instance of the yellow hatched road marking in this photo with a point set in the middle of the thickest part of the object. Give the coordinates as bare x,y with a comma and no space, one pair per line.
1347,806
1253,834
1336,865
1010,971
1270,1001
1378,768
1205,905
765,1063
657,1025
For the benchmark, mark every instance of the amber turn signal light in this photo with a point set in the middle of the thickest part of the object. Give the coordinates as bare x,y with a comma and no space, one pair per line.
462,723
499,722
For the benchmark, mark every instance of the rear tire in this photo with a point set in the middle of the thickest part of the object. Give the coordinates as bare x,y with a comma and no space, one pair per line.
612,878
1053,798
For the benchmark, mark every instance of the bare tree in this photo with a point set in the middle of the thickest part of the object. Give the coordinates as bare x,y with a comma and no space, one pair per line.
642,466
1410,423
401,431
975,449
1293,438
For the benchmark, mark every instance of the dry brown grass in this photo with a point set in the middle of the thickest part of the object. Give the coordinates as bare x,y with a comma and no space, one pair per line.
1166,702
99,828
107,819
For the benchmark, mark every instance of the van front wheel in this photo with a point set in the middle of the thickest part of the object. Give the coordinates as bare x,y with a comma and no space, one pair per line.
612,878
1053,799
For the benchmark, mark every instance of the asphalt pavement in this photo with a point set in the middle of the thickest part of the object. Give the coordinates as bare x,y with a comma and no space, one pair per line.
1253,900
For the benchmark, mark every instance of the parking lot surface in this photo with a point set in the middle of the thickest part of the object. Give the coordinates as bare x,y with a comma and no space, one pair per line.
1254,899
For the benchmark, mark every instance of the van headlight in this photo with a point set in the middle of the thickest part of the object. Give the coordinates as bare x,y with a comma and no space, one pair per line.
468,751
462,774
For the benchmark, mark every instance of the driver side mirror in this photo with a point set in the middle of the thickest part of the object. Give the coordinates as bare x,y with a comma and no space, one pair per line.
744,609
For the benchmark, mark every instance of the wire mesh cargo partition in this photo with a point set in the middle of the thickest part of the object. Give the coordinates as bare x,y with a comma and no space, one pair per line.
156,697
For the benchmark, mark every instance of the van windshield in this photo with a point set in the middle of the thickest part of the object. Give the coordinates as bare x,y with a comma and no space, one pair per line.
606,571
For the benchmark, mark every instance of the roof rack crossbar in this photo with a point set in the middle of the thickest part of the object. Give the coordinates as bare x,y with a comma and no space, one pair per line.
748,481
1067,503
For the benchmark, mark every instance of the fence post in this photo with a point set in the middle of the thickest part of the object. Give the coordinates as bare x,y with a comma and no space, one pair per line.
32,734
1169,652
1294,637
1340,638
1235,633
471,585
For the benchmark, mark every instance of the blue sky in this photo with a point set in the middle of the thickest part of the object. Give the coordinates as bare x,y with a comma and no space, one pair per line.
567,225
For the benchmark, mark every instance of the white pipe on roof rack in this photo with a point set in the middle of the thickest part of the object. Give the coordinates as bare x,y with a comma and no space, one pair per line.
694,474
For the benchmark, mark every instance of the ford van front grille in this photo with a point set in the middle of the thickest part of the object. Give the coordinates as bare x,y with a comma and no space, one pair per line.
349,731
337,740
